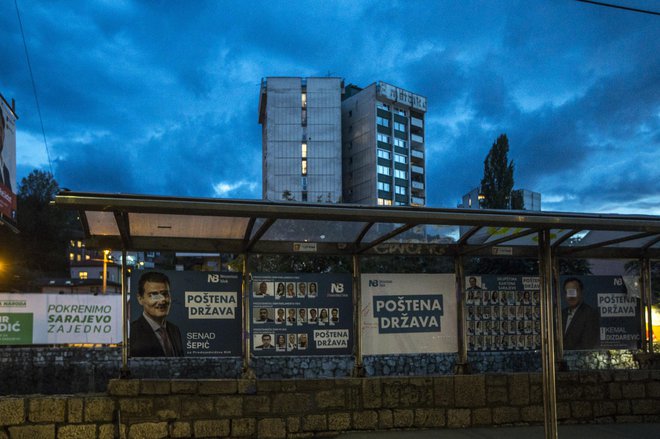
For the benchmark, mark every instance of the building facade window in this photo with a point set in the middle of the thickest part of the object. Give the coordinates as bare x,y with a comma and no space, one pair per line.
400,158
382,154
400,190
383,122
400,127
303,167
399,111
400,143
82,275
383,106
383,138
382,186
398,173
303,150
384,170
384,202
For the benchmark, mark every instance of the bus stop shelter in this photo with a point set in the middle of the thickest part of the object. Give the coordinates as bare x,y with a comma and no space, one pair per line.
156,223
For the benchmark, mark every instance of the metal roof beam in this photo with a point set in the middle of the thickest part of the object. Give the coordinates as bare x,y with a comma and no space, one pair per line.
386,237
572,250
564,238
501,240
362,234
469,234
124,229
257,236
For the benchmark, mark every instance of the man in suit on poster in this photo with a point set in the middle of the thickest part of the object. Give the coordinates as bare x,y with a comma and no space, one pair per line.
151,334
580,322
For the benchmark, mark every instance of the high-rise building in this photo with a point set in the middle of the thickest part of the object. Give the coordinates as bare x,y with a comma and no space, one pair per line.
301,136
383,146
521,199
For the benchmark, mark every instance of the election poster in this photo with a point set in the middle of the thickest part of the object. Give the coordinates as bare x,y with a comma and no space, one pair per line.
408,313
8,189
35,319
185,313
301,314
599,312
503,313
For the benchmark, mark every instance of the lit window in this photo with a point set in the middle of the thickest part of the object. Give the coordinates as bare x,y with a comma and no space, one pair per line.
400,143
71,256
87,258
384,202
79,243
78,258
383,138
303,169
304,99
382,121
401,190
400,158
384,170
399,127
384,154
400,174
382,186
82,275
304,150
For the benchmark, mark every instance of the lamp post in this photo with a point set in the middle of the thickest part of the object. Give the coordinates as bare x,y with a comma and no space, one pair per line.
105,270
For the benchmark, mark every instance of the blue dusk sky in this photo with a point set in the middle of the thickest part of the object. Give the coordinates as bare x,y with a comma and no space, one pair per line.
161,97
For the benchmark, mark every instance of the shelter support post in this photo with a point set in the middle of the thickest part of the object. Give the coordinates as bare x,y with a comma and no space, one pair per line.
647,299
124,371
462,366
547,336
358,369
248,373
558,334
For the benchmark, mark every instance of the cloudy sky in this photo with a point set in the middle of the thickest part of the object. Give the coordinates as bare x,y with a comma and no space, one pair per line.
160,97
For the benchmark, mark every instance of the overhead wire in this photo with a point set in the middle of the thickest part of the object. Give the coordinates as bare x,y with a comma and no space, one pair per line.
625,8
34,88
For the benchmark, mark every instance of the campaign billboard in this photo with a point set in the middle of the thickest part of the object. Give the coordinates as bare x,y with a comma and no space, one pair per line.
33,319
301,314
7,162
503,313
599,312
408,313
185,313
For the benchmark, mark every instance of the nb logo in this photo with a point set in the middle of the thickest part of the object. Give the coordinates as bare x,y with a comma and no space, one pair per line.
213,278
337,288
373,283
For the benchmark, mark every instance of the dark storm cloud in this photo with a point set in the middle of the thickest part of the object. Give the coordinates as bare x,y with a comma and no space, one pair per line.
161,97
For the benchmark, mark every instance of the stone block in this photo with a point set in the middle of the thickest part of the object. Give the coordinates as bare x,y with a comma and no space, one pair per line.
180,429
569,392
292,403
581,410
372,393
243,427
314,423
124,387
532,414
633,391
653,389
148,430
403,418
154,387
211,428
563,410
12,411
256,405
185,387
604,408
470,390
385,419
645,407
429,418
628,419
229,406
458,418
621,375
339,421
623,408
167,407
32,432
271,428
314,385
497,395
594,391
99,409
136,407
365,420
535,394
614,390
109,431
506,415
496,379
264,386
519,389
197,407
482,416
47,410
218,387
79,431
330,399
293,424
639,374
74,410
246,386
589,377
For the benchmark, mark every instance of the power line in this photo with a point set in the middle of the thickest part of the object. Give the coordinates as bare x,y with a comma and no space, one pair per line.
625,8
34,87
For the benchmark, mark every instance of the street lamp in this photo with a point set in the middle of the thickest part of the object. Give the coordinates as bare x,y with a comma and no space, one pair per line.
105,270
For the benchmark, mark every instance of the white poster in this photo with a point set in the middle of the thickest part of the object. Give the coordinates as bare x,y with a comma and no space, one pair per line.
27,319
7,162
408,313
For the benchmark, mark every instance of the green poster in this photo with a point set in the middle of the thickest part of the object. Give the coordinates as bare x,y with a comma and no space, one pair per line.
16,328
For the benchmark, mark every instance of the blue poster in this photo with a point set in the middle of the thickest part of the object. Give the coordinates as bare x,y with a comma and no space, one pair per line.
599,312
185,313
301,314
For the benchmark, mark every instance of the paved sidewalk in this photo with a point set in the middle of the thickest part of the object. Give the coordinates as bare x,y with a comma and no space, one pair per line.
582,431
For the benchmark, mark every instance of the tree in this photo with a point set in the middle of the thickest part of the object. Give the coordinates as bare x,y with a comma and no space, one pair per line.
497,182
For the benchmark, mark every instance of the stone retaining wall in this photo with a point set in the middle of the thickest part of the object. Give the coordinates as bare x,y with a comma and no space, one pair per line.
305,408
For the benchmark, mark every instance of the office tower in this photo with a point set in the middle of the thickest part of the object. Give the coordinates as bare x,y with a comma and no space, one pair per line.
301,136
383,146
